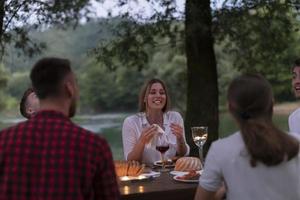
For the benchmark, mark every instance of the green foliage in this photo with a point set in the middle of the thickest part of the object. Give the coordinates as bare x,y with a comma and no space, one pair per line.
69,43
114,139
3,82
261,37
14,14
17,84
124,83
252,36
105,90
116,87
3,76
226,72
135,35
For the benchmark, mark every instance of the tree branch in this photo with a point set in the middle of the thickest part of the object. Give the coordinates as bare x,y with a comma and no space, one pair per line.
13,15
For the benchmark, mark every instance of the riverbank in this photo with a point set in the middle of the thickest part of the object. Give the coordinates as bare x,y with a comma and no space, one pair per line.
110,125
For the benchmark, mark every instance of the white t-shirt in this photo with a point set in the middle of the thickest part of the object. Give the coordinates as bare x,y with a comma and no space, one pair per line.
294,121
228,161
132,129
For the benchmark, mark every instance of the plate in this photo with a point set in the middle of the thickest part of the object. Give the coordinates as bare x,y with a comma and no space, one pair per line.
180,173
185,180
143,176
169,164
151,173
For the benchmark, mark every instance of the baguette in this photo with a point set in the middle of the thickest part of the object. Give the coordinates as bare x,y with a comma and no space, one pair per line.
128,168
187,164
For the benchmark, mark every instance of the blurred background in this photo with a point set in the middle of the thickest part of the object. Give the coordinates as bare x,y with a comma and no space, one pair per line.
115,46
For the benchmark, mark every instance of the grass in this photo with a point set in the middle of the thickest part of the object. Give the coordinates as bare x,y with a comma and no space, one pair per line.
226,127
114,138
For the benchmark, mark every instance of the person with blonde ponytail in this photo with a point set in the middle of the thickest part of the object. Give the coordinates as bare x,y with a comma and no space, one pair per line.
258,162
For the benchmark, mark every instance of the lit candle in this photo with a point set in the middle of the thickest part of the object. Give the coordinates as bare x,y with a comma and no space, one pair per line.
141,189
126,189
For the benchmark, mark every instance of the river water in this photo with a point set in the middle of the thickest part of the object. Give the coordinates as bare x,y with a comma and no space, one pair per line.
94,123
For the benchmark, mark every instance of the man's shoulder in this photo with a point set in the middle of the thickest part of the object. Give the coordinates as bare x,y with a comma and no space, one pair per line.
87,133
14,128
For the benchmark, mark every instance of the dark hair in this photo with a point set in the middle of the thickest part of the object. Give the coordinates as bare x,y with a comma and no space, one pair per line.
23,102
251,103
145,92
47,75
296,64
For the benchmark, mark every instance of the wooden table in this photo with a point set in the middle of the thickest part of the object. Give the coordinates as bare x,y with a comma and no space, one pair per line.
162,187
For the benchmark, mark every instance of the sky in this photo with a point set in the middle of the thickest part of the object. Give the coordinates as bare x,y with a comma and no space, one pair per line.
138,6
141,7
135,6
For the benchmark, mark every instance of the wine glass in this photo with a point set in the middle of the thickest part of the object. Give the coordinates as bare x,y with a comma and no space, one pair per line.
162,145
200,134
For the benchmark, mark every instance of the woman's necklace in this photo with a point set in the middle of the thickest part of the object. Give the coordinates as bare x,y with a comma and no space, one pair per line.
158,121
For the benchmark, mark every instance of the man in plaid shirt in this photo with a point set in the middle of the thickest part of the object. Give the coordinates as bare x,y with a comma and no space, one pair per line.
49,157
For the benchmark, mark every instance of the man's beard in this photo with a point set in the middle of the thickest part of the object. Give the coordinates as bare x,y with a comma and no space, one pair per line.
72,110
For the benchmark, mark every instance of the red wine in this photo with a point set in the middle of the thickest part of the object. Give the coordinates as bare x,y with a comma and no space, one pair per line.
162,149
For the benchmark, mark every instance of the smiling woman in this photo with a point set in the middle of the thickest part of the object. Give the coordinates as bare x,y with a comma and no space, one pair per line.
294,118
141,129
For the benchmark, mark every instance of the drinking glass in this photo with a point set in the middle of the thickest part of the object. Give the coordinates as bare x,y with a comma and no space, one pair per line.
200,134
162,145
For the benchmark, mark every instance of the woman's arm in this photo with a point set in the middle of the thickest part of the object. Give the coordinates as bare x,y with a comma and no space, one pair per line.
177,130
138,149
134,147
203,194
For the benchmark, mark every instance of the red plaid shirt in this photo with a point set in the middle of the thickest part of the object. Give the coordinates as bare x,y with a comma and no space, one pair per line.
49,157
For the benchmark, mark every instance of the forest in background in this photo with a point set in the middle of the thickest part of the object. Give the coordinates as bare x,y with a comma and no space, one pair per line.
197,49
109,90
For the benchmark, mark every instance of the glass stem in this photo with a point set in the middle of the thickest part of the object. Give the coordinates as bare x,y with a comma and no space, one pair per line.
201,155
162,160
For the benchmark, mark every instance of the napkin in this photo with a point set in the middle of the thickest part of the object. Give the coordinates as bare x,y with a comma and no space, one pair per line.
161,133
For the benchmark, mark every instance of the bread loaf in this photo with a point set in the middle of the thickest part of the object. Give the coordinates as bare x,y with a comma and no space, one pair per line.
128,168
187,164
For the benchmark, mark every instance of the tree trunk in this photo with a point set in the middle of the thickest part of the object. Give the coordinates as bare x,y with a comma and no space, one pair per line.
202,84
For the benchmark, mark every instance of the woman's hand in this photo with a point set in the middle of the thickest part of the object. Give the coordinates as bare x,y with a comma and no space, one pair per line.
147,134
138,149
177,130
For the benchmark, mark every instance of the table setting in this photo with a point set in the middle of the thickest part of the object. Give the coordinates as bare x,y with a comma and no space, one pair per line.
175,178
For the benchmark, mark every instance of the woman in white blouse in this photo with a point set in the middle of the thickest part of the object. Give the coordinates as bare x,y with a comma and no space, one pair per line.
294,118
139,129
259,161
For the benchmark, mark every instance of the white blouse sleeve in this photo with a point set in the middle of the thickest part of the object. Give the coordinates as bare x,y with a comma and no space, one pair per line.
211,178
129,136
179,120
294,122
